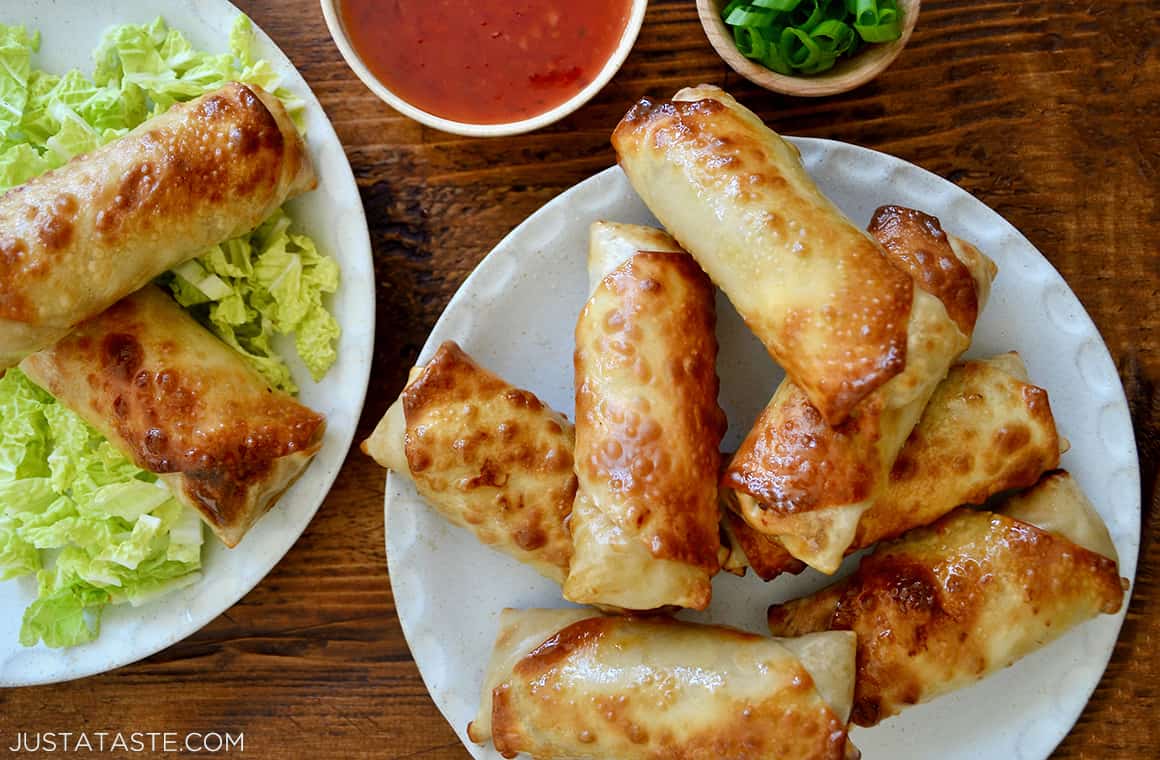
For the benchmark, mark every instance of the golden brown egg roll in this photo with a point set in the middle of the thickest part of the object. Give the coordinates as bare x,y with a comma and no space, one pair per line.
986,430
732,552
818,291
645,522
486,455
79,238
571,684
756,551
809,483
182,404
947,605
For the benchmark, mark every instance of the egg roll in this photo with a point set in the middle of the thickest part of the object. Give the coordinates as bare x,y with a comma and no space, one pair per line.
487,456
947,605
645,521
814,288
809,483
571,684
737,537
986,430
750,550
77,239
180,403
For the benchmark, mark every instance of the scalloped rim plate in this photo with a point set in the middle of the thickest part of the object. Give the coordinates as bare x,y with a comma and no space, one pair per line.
333,216
516,314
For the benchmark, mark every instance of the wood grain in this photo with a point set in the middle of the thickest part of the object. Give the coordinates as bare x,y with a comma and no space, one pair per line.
1049,112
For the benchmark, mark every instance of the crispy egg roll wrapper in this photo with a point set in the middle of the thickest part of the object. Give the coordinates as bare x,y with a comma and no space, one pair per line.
809,483
77,239
813,287
947,605
734,559
182,404
645,522
572,684
749,549
731,554
986,430
487,456
1058,505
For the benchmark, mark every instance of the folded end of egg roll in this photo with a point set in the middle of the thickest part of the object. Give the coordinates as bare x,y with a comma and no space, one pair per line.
19,339
613,569
297,175
486,455
949,268
965,597
731,555
761,553
1058,505
830,658
611,244
386,444
184,405
231,510
520,632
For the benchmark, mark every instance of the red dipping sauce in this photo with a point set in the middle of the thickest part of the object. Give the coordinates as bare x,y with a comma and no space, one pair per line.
485,61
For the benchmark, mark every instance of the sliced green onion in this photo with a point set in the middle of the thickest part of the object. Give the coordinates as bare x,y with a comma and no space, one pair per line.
836,10
732,6
808,15
798,48
774,60
866,13
808,36
748,16
750,42
879,33
877,20
783,6
837,37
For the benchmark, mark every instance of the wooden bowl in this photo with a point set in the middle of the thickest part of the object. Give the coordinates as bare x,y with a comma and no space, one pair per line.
847,73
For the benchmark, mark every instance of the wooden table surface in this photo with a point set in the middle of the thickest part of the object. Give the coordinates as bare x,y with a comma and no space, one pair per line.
1049,112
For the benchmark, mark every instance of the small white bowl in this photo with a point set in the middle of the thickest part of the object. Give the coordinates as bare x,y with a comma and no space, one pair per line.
611,66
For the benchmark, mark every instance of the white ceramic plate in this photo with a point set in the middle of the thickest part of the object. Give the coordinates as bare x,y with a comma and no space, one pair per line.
333,216
516,314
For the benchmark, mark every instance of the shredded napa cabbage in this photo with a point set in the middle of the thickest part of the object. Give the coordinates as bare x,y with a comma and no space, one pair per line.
93,528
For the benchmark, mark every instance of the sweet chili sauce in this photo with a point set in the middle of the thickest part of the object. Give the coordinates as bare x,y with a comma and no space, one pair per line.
485,61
